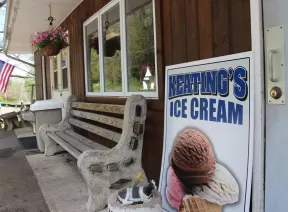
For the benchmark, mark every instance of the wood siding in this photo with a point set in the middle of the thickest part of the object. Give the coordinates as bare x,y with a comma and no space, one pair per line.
38,77
186,30
48,78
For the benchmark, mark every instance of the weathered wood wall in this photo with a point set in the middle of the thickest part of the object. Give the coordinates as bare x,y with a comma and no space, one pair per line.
38,77
187,30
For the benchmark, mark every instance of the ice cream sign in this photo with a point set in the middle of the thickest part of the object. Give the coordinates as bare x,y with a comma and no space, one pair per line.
209,83
208,146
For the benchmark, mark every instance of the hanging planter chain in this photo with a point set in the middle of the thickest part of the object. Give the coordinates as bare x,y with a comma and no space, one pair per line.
51,18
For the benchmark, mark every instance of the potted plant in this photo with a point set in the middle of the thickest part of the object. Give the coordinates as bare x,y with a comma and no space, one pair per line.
50,42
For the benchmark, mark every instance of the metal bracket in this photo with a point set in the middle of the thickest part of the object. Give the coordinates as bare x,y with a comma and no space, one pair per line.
138,128
133,143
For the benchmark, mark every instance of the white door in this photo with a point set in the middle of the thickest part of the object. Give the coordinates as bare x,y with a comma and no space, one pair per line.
60,77
275,18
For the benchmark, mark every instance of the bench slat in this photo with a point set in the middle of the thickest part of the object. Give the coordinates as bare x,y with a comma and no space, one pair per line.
115,122
113,136
74,142
69,148
88,142
108,108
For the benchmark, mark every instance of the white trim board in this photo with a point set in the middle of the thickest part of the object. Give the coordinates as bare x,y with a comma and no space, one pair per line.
258,182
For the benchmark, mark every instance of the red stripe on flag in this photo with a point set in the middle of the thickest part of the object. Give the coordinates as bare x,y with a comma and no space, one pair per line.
2,74
6,72
8,78
5,76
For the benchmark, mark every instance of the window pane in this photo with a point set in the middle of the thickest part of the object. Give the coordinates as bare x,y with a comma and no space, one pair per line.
55,63
55,81
92,56
112,50
55,72
65,78
64,55
140,46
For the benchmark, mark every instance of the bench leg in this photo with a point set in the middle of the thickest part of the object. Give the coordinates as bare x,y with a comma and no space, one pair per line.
34,127
9,124
16,122
101,181
97,200
51,147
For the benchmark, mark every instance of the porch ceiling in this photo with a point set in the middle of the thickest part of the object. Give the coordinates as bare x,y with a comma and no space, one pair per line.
25,17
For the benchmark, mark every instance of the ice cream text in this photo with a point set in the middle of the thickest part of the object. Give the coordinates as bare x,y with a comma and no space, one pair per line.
213,83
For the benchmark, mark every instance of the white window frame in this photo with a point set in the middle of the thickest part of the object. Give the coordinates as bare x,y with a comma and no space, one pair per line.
85,24
124,70
53,70
67,49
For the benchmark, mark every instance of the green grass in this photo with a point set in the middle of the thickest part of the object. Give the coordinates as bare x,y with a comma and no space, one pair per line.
113,87
8,102
134,86
96,87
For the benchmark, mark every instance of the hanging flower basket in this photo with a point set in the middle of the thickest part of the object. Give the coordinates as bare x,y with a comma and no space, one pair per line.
50,43
50,50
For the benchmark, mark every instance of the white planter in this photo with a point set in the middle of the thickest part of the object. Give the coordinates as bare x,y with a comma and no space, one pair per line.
46,112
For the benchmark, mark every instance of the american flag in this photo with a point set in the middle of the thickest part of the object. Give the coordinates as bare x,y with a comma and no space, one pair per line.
6,70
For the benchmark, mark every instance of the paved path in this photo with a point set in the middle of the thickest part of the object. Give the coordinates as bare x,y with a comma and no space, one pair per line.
61,182
19,189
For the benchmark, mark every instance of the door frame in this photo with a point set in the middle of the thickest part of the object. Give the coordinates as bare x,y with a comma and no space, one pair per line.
60,88
43,69
258,200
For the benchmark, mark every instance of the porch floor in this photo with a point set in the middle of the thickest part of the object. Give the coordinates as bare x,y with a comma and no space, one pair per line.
32,182
19,189
60,181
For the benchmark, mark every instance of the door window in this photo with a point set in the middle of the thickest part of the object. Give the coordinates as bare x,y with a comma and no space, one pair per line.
60,70
65,68
55,72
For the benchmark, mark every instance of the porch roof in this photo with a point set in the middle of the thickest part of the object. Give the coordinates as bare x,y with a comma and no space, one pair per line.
25,17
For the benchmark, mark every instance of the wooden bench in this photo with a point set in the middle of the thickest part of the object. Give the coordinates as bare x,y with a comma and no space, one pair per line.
104,169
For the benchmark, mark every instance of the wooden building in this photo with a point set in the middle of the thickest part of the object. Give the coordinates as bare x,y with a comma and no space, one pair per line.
184,30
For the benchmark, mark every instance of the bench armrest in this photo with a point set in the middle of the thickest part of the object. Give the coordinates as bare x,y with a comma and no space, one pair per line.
62,126
109,166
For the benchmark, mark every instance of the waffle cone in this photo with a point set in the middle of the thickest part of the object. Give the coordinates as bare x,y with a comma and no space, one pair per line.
196,204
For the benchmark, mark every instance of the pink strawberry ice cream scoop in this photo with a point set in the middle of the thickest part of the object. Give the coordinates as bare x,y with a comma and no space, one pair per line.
174,189
192,158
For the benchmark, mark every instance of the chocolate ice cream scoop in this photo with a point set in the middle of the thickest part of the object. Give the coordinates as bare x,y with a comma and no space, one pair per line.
192,158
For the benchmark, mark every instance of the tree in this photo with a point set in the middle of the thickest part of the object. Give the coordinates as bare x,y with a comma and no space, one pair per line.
140,45
29,82
15,90
2,3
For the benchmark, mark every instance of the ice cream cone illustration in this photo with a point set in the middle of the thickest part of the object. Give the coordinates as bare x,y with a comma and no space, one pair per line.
192,158
196,204
222,189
